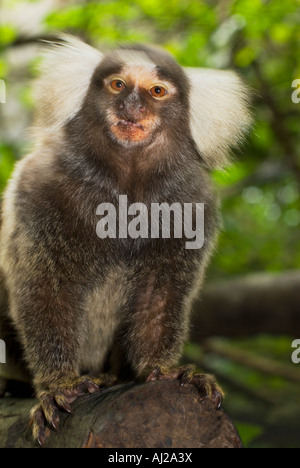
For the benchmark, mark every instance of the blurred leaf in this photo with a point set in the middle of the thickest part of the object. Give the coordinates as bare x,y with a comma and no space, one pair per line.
245,57
281,33
7,34
248,432
7,161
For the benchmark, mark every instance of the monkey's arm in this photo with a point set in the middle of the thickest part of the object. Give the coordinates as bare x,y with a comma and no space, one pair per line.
48,318
45,293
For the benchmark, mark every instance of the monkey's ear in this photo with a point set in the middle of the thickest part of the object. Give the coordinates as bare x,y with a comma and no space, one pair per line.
66,71
220,116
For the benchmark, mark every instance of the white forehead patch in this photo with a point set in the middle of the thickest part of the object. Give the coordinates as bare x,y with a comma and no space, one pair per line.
135,58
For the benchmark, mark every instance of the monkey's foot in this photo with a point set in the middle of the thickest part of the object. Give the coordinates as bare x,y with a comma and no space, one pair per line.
45,415
206,384
105,380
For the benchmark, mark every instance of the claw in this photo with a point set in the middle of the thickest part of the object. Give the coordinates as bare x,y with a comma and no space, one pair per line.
38,422
88,386
205,384
186,375
217,398
155,375
46,414
42,436
63,402
92,387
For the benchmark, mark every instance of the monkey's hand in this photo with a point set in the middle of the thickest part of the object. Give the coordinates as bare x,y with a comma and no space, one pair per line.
205,384
53,398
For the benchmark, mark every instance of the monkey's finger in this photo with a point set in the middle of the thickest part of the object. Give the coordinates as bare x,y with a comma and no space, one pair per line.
50,410
217,399
186,374
65,395
86,386
40,431
63,402
208,389
42,435
92,387
155,375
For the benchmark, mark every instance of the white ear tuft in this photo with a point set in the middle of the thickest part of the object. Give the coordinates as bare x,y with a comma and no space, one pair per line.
220,116
66,73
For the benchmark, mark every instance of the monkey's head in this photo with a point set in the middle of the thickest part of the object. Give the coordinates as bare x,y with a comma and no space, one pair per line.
137,94
141,92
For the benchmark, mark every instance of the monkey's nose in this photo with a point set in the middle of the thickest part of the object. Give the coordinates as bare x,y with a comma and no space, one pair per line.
132,110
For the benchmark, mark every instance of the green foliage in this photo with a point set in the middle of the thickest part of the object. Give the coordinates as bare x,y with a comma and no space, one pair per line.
258,221
7,162
7,34
259,225
262,394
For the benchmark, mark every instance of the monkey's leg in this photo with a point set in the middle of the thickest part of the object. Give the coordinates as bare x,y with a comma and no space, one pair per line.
159,323
51,327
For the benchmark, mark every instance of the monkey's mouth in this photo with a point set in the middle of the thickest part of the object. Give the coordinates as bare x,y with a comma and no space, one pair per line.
130,131
130,124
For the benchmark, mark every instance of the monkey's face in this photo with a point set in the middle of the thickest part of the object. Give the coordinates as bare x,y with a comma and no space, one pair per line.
138,96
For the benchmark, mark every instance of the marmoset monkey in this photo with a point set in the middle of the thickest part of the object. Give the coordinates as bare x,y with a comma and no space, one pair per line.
130,122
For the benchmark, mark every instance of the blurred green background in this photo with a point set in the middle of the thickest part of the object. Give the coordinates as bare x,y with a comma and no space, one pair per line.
260,39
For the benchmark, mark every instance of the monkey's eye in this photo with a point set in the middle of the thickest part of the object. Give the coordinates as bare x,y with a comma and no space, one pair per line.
158,91
117,85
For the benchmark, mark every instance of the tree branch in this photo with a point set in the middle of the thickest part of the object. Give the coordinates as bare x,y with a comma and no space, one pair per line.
154,415
260,303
